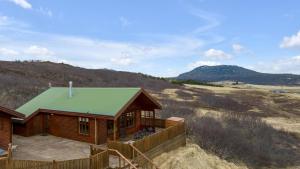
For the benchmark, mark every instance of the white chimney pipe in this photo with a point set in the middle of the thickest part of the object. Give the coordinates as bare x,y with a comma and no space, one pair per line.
70,89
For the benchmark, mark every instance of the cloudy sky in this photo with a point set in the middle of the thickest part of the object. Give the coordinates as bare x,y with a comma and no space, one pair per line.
161,38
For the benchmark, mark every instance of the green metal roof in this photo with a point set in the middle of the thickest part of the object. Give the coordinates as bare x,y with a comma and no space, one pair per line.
100,101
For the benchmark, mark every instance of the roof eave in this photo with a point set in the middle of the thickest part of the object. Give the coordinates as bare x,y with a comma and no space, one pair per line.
12,113
67,113
132,100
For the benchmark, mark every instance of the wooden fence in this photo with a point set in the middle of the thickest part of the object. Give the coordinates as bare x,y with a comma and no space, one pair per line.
97,161
95,150
100,160
24,164
124,149
161,123
3,162
148,142
156,139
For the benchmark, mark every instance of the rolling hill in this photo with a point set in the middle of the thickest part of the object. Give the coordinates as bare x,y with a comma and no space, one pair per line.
240,74
20,81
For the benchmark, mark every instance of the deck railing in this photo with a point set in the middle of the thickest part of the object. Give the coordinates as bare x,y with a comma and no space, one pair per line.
100,158
97,161
161,123
149,142
146,162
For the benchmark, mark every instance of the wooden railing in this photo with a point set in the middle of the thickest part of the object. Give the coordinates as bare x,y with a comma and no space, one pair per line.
125,160
146,159
149,142
95,150
3,162
97,161
124,149
100,157
161,123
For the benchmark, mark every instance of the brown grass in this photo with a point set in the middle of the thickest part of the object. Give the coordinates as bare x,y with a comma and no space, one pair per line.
239,137
238,133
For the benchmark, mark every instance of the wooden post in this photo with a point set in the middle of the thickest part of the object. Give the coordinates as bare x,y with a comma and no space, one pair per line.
91,163
96,132
119,162
115,130
91,150
132,153
9,157
153,121
9,151
54,164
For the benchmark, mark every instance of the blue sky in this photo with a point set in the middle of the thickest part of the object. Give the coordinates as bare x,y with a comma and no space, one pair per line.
161,38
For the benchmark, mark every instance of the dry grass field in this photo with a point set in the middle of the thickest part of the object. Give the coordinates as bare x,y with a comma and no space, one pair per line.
241,124
248,124
193,157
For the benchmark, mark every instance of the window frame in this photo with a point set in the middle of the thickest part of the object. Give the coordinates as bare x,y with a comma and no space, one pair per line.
84,125
147,114
127,120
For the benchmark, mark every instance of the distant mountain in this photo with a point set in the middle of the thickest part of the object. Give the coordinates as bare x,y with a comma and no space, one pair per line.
240,74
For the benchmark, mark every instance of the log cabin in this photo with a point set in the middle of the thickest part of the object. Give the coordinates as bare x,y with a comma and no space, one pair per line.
91,115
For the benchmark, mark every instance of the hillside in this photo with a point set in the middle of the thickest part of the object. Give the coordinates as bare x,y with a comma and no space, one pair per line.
251,126
236,73
21,81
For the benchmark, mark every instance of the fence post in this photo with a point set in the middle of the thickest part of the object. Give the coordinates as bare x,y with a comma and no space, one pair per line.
91,163
91,150
54,164
9,156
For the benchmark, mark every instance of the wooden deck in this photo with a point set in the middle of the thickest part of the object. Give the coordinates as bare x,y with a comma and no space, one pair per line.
114,154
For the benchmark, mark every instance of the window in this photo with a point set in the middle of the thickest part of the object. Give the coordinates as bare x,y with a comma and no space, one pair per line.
84,125
127,119
147,114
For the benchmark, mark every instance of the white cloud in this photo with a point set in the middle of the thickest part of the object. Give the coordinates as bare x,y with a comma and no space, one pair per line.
216,54
210,20
202,63
297,58
22,3
3,20
45,11
100,53
124,21
38,51
125,61
291,42
287,65
8,52
237,48
11,23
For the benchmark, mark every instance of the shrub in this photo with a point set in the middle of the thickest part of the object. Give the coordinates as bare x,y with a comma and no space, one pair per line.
241,137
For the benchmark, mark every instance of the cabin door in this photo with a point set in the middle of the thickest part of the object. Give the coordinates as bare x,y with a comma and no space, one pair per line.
46,122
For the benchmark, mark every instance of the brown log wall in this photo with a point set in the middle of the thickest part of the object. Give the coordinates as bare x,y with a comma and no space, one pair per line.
5,131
